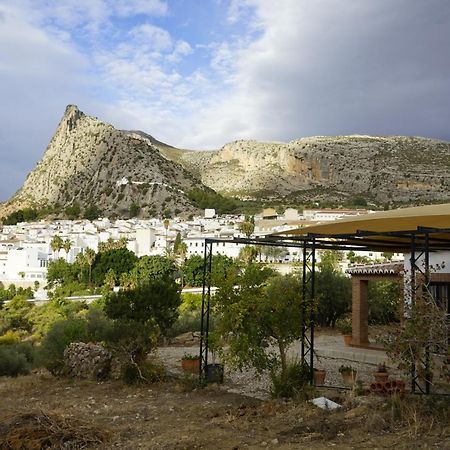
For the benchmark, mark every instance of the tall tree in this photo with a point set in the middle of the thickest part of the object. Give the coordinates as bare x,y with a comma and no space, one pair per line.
67,245
56,244
89,255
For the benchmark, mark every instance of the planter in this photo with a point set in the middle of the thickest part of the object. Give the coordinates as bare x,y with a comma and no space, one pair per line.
214,373
319,377
349,377
191,365
347,339
381,377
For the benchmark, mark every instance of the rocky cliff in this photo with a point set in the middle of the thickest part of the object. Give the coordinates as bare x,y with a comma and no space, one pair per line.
382,169
89,162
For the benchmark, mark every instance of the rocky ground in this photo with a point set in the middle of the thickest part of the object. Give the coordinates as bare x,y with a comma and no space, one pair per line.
175,414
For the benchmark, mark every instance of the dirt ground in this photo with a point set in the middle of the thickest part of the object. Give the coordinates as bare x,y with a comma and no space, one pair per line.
164,416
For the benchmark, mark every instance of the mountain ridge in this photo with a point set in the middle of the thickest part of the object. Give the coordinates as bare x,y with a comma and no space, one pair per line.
90,162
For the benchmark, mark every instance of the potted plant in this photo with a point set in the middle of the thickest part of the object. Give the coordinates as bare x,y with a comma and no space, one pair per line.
348,374
190,363
319,376
381,375
345,327
214,371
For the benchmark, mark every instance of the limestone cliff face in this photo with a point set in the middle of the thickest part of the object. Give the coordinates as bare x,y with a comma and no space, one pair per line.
383,169
91,163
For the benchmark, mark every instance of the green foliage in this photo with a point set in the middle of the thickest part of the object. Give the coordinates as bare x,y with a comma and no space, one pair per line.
358,202
43,317
73,212
293,384
120,260
13,315
248,254
333,293
22,215
208,198
134,210
384,302
12,291
189,317
92,212
344,325
59,336
256,309
148,372
156,301
193,271
247,227
221,268
15,359
153,267
61,272
176,244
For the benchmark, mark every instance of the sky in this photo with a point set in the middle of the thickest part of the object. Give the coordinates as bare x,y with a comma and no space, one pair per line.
200,73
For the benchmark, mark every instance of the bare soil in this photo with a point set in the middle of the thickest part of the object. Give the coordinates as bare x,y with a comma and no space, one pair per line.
164,416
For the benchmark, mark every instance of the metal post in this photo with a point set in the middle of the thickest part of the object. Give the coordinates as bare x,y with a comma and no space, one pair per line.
412,293
312,312
206,296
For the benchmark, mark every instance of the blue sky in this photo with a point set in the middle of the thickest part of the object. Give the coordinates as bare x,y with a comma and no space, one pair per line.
200,73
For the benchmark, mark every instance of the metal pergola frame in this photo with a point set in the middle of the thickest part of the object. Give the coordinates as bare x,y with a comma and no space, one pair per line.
419,243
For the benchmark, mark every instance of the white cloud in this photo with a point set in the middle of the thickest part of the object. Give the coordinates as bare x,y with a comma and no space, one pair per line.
151,37
320,68
133,7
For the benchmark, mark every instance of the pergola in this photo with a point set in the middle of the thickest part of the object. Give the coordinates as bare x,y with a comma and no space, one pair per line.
417,231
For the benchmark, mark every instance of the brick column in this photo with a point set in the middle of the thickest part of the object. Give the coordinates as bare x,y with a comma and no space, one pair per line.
360,311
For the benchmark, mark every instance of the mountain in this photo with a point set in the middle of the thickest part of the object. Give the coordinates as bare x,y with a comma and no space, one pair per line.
90,163
394,169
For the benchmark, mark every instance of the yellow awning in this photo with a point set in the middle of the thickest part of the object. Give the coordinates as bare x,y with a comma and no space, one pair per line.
392,227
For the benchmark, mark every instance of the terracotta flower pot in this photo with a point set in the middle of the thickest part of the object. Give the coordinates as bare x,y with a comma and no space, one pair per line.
381,377
191,365
347,339
349,377
319,377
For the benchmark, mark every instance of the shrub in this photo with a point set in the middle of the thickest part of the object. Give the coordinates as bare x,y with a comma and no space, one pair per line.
294,384
16,359
59,336
148,372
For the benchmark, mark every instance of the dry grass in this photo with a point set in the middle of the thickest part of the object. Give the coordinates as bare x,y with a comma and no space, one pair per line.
38,430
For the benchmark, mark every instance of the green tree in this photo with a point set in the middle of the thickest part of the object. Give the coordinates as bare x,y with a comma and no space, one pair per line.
177,243
152,267
89,257
67,245
333,294
92,212
56,244
157,301
255,309
247,227
120,260
110,279
134,210
384,302
73,211
248,254
60,272
193,271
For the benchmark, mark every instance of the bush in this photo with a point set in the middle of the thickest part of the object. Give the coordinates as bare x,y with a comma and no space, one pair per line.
148,372
16,359
295,384
59,336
